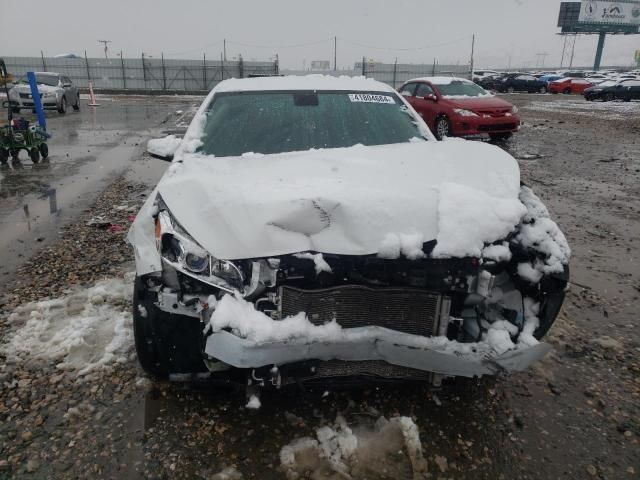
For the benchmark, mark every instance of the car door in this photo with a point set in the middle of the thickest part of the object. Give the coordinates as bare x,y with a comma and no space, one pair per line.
633,87
579,85
426,103
521,83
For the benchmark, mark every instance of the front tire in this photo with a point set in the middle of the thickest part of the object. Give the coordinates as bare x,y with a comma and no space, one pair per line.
567,91
511,90
609,97
76,107
44,150
34,154
62,108
543,90
443,128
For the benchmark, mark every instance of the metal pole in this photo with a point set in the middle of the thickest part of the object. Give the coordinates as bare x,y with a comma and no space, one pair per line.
86,62
124,77
564,47
44,65
573,49
364,71
221,67
241,66
473,45
335,53
599,50
204,71
164,73
433,70
395,69
144,72
224,48
276,65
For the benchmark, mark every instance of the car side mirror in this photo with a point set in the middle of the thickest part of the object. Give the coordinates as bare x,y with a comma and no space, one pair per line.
431,97
66,85
164,148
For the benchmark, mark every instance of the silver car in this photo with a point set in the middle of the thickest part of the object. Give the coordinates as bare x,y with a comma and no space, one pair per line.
57,91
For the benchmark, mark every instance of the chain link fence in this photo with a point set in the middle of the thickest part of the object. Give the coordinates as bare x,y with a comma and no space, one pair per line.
395,74
144,73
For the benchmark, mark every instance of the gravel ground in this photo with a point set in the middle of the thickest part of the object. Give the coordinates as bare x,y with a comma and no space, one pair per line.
575,415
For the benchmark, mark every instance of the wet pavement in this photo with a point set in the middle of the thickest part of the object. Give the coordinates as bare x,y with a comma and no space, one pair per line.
88,150
575,415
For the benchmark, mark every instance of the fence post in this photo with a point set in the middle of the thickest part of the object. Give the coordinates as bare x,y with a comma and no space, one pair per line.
164,74
276,65
241,66
433,70
124,77
204,72
86,62
364,70
144,72
44,65
395,68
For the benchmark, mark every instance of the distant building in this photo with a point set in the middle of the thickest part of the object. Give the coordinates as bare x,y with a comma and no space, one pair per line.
320,65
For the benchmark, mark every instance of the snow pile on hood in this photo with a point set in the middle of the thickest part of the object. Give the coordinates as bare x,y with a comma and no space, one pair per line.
165,147
540,233
469,218
86,330
357,453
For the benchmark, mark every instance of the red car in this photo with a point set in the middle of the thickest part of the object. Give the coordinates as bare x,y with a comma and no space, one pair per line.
457,107
569,85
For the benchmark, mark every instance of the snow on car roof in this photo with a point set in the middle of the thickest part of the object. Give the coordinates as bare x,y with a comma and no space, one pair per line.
306,82
439,80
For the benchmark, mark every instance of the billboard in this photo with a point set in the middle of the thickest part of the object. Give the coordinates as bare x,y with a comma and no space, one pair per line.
609,13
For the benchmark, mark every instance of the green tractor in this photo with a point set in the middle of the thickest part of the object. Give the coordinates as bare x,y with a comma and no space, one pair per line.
19,134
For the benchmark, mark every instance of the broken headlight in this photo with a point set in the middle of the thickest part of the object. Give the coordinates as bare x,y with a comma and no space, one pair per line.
180,251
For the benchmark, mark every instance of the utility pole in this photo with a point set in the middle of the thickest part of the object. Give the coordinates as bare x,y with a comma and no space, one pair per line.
473,45
601,37
573,50
224,49
105,43
564,47
335,53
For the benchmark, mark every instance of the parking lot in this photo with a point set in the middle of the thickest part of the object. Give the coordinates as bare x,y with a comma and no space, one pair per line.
575,415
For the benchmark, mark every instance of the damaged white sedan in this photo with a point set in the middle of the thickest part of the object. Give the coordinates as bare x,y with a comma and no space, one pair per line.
313,229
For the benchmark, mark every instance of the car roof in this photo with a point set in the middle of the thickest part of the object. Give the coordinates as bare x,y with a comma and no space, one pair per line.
439,80
302,82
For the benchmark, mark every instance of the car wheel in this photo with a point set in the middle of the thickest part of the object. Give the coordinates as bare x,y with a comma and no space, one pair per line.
62,108
44,150
511,90
443,127
609,97
500,137
567,91
15,154
165,343
627,99
34,154
4,155
543,89
76,107
15,109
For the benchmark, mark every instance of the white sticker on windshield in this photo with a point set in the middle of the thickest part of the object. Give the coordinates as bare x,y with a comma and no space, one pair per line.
369,98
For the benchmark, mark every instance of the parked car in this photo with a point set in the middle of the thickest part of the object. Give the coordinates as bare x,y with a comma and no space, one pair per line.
607,91
520,82
550,78
457,107
312,229
575,74
57,91
480,74
489,82
569,86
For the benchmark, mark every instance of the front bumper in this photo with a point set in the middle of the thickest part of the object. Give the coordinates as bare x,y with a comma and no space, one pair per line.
481,125
366,344
47,104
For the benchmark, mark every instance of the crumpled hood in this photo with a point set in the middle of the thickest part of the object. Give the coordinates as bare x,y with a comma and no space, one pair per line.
342,201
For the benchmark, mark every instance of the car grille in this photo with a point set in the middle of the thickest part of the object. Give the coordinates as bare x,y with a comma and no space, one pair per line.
497,127
406,310
373,368
494,112
27,95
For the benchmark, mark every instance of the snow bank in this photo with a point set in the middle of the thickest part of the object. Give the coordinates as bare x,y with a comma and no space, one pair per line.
540,233
165,147
469,218
357,451
84,331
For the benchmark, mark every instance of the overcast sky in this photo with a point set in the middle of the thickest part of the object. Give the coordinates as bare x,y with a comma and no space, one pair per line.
414,31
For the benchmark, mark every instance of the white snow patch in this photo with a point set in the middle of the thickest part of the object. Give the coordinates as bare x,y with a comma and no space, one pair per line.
407,244
358,451
498,253
469,218
165,147
86,330
531,323
229,473
529,273
254,403
319,261
499,339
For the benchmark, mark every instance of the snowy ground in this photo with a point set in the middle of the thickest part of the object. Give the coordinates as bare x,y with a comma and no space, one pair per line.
578,106
74,402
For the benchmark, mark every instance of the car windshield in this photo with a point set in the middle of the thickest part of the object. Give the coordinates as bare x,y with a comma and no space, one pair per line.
51,80
276,122
607,83
459,88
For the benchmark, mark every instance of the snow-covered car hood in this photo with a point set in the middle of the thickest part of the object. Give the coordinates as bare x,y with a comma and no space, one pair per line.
349,201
